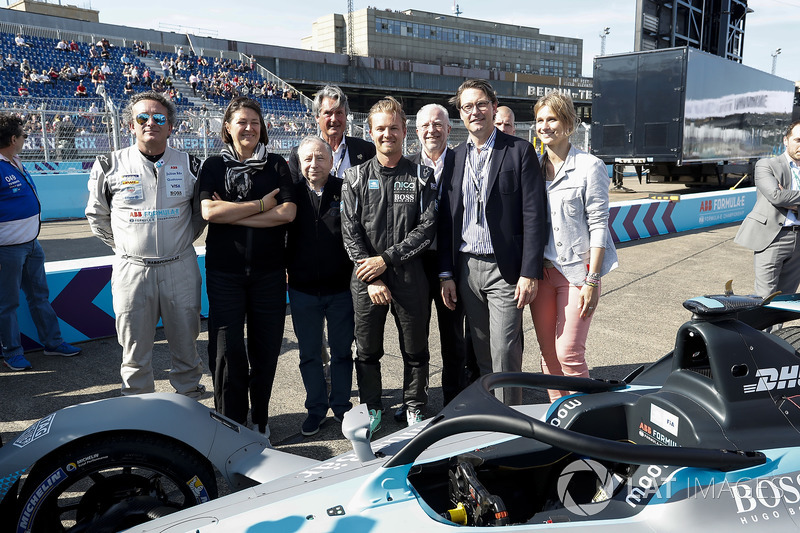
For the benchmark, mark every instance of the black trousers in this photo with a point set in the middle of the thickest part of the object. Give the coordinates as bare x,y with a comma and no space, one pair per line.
259,301
411,312
451,332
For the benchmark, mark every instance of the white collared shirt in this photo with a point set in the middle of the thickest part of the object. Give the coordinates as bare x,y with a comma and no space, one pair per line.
437,167
341,159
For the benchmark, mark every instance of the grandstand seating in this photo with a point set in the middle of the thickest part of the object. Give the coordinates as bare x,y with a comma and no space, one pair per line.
43,54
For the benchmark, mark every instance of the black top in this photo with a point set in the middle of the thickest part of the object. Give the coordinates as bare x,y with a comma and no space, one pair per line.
317,261
239,249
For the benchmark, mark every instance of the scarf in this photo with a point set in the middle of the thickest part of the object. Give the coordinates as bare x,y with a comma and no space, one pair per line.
237,173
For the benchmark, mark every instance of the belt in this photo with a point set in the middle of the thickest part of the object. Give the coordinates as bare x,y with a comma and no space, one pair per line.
480,256
791,228
150,261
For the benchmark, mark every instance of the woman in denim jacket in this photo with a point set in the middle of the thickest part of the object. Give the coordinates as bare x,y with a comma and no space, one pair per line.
580,250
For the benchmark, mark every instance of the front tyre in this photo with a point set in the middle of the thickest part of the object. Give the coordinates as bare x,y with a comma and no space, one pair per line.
113,482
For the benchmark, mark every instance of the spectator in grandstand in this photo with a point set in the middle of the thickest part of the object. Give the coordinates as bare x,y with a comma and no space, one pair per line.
128,88
491,243
53,74
22,90
320,295
504,120
106,70
11,61
147,80
93,52
98,77
42,77
385,233
193,83
331,110
155,272
135,75
62,46
21,255
20,41
124,59
82,71
73,47
25,66
246,196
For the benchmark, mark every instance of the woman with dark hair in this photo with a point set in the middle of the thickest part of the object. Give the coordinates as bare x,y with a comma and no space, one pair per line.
579,251
246,196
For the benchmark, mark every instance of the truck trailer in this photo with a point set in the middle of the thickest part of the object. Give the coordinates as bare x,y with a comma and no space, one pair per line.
683,115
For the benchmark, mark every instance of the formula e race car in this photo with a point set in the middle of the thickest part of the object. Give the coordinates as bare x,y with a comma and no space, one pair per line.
704,439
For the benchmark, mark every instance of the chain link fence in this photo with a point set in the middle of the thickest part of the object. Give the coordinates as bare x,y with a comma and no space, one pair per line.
80,129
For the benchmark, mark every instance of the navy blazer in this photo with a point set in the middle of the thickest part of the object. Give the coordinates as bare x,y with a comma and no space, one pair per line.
358,150
516,210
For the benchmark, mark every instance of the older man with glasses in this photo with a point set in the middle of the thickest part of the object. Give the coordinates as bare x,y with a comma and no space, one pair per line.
21,256
143,203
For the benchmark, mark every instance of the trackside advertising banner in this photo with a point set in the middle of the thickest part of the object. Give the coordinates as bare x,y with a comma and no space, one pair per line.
640,219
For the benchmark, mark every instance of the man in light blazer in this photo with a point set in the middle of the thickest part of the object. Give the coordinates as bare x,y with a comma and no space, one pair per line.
492,233
772,229
330,110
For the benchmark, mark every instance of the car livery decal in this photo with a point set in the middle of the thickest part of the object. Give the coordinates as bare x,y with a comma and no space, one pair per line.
31,507
36,431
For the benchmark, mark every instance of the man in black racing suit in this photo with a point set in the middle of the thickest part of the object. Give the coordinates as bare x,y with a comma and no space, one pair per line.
388,220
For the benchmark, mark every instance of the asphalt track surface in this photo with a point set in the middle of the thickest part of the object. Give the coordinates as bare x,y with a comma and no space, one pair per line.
639,313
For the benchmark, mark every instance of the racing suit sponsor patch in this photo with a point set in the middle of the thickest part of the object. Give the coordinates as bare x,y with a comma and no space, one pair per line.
131,188
404,197
147,216
175,182
373,184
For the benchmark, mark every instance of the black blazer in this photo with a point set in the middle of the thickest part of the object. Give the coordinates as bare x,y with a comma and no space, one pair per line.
358,150
516,210
447,171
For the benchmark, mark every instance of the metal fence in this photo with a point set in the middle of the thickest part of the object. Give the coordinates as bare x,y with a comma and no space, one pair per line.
82,128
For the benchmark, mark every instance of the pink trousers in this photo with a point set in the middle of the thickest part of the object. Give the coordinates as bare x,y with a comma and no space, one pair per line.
560,330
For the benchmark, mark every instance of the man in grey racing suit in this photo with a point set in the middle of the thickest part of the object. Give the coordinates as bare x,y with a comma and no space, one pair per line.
144,204
388,220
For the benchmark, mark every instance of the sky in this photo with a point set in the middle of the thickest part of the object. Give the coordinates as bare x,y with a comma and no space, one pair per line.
769,27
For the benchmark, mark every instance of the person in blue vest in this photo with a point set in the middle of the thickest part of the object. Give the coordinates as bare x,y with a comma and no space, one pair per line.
21,255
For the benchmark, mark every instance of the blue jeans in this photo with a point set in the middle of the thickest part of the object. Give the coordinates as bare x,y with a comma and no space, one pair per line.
22,266
308,313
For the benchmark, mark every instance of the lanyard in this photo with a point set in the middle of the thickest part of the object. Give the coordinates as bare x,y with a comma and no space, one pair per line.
476,166
339,163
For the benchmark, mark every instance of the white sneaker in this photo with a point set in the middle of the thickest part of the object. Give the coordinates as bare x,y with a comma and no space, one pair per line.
413,416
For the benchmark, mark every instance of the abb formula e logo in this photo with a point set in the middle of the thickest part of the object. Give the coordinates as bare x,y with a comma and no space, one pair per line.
785,377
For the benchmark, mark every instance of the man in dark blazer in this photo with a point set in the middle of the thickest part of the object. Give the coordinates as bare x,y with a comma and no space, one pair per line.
772,229
492,233
330,111
433,130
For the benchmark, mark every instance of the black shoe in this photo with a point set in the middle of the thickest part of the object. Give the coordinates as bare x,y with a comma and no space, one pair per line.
312,424
400,414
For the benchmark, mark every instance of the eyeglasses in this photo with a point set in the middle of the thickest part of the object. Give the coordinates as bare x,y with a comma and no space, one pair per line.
158,118
482,106
438,126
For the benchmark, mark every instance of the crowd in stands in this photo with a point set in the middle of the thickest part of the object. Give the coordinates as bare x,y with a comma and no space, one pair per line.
62,68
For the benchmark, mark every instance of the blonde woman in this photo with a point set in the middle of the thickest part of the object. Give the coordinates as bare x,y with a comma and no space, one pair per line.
579,250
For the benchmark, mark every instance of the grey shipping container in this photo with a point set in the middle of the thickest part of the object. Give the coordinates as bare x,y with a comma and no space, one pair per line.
686,115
